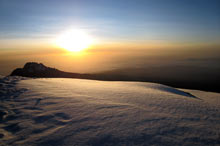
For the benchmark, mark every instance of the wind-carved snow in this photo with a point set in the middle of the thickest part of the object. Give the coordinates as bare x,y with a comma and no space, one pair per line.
88,112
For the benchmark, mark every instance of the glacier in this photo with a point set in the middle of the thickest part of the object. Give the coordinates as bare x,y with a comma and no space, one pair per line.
61,111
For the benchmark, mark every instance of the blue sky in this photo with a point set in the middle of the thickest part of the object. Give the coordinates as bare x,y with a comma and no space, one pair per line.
191,28
120,20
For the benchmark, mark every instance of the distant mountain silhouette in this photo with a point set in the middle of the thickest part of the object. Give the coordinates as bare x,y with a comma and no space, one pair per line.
33,69
38,70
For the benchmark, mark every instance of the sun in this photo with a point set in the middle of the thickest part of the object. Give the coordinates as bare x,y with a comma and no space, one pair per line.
74,40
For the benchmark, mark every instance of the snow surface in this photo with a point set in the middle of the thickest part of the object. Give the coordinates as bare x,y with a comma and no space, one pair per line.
88,112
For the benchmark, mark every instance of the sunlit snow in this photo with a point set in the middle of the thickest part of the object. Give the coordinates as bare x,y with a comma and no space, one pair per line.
88,112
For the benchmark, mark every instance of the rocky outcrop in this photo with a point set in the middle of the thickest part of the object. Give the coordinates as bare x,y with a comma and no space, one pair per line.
38,70
33,69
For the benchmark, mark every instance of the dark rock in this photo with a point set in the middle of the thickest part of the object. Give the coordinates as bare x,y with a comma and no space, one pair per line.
33,69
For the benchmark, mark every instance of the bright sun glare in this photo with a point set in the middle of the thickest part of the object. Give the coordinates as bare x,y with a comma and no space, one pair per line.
74,40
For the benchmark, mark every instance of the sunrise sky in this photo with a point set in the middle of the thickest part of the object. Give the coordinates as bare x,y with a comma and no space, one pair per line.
119,30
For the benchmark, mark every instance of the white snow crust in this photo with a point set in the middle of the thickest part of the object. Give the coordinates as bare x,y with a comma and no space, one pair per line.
62,111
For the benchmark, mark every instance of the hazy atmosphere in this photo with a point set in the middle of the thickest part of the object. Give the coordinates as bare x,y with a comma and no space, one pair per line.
125,34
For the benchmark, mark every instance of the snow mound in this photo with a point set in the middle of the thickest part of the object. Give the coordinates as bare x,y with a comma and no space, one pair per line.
164,88
88,112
